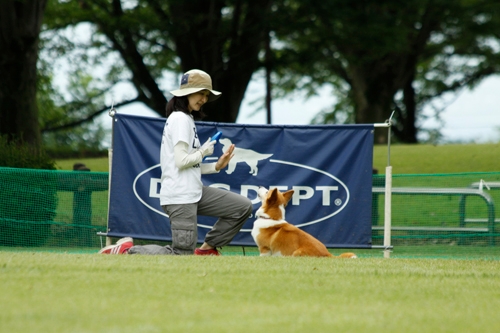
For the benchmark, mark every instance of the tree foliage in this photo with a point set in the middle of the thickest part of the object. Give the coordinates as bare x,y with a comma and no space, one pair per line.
66,125
385,55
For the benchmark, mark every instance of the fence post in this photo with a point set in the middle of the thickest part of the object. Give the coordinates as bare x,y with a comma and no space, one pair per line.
82,207
388,211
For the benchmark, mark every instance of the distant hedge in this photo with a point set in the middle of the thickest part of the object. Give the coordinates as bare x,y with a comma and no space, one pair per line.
18,154
63,152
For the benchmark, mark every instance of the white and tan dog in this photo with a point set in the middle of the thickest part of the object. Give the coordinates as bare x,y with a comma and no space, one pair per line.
276,237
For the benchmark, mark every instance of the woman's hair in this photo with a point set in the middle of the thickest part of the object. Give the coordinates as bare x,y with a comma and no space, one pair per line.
181,104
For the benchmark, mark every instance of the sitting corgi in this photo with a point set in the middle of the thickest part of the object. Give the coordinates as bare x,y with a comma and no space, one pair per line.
274,236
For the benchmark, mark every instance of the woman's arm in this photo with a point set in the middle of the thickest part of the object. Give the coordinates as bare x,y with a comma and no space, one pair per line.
183,160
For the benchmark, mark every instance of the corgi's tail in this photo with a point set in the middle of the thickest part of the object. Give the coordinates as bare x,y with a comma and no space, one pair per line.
348,255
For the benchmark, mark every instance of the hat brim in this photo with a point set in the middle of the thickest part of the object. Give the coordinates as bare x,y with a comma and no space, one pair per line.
188,91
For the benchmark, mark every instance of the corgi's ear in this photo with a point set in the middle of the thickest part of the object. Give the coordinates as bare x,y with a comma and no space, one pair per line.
272,196
288,195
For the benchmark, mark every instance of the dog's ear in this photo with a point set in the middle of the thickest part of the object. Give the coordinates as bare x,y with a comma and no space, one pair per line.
272,196
288,195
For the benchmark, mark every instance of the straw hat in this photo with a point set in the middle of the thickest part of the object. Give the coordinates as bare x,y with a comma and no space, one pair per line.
193,81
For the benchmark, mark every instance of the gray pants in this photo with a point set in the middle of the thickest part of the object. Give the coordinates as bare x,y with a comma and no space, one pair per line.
232,209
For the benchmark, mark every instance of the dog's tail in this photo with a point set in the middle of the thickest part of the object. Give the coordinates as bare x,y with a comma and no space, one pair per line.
348,255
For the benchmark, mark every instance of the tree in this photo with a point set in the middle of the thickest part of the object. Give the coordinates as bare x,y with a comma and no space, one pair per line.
384,55
20,25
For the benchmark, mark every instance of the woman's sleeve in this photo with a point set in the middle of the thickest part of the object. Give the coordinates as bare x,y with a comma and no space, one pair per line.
183,160
207,168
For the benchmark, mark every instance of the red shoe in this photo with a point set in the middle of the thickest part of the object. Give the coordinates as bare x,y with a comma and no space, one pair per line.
121,246
211,252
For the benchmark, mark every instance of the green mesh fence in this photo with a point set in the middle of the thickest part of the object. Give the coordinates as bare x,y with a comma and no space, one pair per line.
442,215
52,209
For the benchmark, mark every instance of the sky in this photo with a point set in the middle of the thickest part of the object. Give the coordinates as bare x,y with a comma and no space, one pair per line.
471,116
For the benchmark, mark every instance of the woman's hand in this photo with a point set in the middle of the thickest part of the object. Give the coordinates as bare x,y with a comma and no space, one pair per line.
225,158
208,148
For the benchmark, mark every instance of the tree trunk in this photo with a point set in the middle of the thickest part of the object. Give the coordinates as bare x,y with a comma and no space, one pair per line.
20,23
408,133
229,61
372,99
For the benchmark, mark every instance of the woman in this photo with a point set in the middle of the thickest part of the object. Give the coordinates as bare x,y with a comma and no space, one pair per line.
183,196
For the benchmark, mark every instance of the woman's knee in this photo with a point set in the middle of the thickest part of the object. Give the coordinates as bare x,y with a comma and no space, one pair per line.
248,207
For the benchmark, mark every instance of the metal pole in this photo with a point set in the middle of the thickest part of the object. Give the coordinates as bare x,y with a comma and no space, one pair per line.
111,113
388,194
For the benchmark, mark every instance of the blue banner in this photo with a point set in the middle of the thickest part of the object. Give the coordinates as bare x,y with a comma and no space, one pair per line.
328,166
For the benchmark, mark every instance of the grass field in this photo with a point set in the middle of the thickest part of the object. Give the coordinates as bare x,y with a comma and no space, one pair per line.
429,159
49,292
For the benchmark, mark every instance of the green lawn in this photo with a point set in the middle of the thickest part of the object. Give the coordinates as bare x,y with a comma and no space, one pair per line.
429,159
57,292
97,164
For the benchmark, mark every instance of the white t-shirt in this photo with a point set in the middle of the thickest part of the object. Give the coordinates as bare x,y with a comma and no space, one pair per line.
179,186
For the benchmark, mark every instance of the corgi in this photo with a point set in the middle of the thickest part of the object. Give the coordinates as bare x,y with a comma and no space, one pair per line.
276,237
